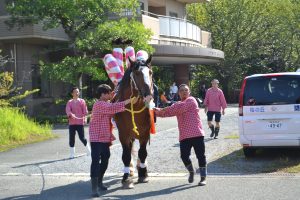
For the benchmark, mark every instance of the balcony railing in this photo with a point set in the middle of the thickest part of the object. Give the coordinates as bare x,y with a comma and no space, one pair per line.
173,27
175,31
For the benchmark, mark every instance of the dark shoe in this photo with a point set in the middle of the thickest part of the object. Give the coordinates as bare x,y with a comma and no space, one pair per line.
101,186
212,128
94,182
202,181
217,129
203,173
190,168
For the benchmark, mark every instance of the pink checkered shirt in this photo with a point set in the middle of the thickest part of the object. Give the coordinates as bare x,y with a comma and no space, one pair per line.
189,122
215,100
79,109
100,125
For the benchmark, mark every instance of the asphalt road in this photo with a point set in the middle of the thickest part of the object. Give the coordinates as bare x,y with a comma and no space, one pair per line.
43,170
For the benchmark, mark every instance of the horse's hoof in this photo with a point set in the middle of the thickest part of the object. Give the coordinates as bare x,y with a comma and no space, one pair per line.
128,185
143,180
127,182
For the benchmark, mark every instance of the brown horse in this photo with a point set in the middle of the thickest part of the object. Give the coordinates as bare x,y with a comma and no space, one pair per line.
135,123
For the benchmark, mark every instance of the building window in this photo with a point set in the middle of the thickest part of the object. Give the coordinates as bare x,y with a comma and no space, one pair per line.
173,14
39,82
141,8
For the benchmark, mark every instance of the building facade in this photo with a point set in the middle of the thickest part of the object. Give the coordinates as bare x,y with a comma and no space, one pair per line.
178,43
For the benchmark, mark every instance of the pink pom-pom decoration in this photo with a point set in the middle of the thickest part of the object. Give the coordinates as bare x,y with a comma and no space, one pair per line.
118,54
114,62
129,52
112,68
142,55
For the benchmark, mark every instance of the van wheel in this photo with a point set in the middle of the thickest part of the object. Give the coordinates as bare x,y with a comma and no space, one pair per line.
249,152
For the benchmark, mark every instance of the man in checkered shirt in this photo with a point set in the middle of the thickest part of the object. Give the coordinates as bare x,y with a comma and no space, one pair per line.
101,136
191,133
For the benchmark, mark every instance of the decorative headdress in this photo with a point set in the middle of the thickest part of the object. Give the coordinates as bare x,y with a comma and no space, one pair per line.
114,62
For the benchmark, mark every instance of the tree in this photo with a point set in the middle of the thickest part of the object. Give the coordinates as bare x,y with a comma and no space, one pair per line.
256,36
88,27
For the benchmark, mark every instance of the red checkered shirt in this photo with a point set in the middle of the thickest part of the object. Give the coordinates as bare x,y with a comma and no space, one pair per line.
189,122
100,128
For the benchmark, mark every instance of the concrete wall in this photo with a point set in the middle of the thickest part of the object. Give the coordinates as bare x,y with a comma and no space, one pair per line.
176,7
30,31
157,10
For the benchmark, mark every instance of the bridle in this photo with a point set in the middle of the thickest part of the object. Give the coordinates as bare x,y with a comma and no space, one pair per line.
133,85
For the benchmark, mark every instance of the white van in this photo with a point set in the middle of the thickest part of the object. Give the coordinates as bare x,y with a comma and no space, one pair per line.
269,111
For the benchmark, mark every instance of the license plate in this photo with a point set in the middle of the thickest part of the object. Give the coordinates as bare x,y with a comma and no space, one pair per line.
275,125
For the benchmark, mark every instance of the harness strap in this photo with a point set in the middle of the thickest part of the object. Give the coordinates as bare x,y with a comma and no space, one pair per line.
135,111
135,130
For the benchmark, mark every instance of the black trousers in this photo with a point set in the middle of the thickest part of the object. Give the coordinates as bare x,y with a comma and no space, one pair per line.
199,147
72,133
100,156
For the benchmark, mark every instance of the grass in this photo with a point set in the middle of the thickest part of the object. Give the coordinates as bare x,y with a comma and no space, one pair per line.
233,136
265,161
17,129
294,169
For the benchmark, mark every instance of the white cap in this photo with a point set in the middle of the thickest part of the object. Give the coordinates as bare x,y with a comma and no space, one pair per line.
298,70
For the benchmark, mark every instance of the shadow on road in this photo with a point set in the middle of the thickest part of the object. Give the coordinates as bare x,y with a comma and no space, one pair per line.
265,161
48,162
82,190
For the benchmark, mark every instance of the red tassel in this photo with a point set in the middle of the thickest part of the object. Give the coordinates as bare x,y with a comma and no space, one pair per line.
152,127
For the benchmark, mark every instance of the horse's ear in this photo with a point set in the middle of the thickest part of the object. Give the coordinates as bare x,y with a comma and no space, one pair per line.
130,61
149,60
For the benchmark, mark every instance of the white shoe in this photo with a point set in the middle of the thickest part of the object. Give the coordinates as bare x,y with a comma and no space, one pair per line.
88,147
72,152
202,181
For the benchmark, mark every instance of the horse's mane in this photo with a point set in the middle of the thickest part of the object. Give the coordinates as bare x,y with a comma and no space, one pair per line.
124,84
126,79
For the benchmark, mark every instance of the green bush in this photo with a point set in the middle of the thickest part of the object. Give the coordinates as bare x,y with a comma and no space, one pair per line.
46,119
58,119
16,127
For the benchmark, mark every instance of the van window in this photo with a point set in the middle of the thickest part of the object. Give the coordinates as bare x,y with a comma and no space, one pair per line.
270,90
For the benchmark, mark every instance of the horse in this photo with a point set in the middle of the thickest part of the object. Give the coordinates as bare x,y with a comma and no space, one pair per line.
135,123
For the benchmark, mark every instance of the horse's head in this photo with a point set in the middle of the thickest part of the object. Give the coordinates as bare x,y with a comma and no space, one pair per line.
141,76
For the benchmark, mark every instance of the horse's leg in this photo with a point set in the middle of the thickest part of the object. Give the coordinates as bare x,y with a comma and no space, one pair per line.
133,157
142,168
127,182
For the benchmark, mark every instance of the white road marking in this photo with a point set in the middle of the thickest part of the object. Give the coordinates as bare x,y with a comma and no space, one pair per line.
164,175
